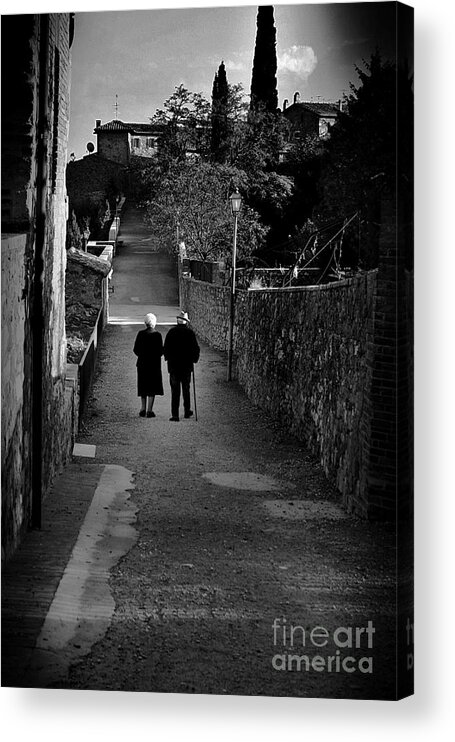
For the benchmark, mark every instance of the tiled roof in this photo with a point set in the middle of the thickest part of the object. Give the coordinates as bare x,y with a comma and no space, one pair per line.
145,128
322,109
117,125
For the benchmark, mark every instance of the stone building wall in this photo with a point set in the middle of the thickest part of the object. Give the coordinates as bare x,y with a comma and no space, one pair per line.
114,145
93,178
38,442
16,391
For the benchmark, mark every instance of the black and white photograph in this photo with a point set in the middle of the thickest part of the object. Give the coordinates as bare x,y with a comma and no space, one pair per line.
207,350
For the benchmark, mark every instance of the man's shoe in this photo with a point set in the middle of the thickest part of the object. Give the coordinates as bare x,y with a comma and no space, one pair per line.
189,413
142,413
174,419
151,414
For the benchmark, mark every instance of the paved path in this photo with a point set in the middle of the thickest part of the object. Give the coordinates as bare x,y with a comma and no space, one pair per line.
236,538
145,279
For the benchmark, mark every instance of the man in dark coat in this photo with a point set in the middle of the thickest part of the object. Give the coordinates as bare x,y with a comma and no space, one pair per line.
181,351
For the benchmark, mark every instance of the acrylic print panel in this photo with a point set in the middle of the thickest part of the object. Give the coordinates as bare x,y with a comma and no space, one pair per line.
245,528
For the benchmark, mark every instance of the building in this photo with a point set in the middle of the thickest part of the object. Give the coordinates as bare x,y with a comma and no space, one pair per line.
94,179
120,141
37,399
310,118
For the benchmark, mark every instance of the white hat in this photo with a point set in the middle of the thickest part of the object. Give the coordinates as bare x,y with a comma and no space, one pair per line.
183,316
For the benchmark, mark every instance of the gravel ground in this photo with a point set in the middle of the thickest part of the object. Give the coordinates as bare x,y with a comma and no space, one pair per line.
237,527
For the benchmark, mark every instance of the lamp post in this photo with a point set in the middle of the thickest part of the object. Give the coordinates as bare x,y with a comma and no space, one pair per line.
236,202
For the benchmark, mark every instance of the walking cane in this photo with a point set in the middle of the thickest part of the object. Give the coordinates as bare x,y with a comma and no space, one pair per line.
194,395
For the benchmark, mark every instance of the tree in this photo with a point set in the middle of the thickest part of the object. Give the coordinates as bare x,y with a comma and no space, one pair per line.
263,138
263,80
303,162
194,200
219,117
360,164
73,233
185,120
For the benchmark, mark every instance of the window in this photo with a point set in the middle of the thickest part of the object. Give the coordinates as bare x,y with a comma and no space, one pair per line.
136,142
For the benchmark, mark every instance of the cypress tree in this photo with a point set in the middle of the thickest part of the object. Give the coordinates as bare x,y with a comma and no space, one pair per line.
220,133
263,80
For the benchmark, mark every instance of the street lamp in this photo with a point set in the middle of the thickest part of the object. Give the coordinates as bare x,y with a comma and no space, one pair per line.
236,202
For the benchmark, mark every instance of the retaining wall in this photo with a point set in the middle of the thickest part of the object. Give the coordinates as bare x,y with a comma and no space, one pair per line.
301,355
333,363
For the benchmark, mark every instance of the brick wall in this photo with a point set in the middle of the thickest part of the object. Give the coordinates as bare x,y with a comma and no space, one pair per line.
387,435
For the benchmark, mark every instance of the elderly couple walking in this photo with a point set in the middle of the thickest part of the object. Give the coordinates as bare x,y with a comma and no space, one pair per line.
181,350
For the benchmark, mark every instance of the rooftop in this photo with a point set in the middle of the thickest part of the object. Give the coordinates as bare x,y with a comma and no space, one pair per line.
322,109
132,128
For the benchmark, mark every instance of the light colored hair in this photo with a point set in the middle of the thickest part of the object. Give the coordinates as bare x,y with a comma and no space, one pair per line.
150,320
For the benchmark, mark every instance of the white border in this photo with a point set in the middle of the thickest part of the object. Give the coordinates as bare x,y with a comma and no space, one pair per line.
48,715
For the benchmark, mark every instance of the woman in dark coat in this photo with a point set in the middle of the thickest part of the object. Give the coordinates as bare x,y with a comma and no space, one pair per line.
149,348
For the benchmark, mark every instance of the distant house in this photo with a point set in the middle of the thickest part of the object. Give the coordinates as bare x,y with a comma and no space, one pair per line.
119,141
308,118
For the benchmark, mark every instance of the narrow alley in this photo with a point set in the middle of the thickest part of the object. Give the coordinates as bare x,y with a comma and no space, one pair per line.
208,538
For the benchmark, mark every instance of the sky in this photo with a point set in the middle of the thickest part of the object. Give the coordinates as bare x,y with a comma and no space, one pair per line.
140,56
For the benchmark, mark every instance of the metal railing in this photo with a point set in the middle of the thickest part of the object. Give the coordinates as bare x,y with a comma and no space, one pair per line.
88,362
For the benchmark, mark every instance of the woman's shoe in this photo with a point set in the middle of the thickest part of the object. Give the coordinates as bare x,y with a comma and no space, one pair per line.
142,413
150,413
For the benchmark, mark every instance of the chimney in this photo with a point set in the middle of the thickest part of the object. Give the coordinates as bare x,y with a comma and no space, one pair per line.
296,97
285,104
98,123
341,104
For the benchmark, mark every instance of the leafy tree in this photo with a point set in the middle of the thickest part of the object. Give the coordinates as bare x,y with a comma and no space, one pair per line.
185,119
360,164
219,117
194,200
263,139
263,80
303,163
73,233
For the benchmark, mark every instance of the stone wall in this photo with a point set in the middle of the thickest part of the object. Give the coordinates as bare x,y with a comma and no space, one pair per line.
85,274
333,363
38,433
208,308
16,391
92,178
86,287
300,354
114,145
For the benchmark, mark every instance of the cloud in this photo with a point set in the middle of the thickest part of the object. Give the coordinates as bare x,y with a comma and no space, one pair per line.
234,66
299,60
